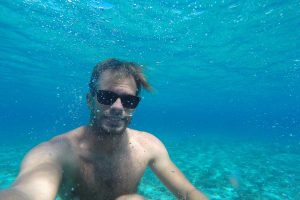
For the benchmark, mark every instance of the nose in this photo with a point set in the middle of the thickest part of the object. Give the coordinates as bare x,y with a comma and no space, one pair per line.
117,104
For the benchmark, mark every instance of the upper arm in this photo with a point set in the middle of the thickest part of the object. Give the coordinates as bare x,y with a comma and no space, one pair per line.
40,173
169,174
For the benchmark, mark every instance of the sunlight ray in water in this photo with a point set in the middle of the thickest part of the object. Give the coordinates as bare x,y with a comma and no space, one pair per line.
99,4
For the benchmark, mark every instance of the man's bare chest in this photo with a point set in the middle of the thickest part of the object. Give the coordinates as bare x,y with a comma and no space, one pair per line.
120,173
107,178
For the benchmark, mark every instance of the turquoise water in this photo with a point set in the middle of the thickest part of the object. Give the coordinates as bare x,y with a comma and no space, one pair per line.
225,74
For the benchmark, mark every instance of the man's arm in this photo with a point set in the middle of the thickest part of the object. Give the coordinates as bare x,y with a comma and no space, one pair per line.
39,177
170,175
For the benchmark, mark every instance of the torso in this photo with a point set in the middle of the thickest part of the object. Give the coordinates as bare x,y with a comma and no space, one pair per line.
104,177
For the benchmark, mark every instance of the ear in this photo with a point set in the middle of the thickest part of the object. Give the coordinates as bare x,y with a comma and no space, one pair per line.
89,100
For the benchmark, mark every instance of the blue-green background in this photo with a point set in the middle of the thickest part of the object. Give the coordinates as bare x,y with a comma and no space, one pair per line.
226,98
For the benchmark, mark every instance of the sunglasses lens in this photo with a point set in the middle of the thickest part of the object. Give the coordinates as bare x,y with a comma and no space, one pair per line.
130,101
106,97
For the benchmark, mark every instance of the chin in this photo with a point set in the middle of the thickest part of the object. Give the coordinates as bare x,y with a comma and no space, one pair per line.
113,131
108,127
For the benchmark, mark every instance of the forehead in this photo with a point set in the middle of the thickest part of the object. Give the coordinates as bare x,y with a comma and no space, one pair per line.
115,81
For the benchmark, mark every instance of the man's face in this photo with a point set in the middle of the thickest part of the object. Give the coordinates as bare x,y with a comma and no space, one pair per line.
112,119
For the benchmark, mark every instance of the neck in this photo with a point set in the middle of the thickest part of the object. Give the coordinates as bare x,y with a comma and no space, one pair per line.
100,142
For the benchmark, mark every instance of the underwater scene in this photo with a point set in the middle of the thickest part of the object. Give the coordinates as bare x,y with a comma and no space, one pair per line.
225,77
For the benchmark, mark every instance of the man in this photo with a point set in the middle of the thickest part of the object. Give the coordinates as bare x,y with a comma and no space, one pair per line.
104,160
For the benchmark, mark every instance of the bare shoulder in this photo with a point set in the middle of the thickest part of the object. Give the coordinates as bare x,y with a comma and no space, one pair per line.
144,138
53,150
149,142
68,140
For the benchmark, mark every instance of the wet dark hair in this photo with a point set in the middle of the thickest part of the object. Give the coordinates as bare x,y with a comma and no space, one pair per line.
124,69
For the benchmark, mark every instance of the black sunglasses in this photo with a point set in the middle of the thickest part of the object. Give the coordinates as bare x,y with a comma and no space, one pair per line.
108,98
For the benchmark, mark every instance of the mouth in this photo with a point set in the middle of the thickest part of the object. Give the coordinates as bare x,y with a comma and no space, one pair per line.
117,117
114,119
